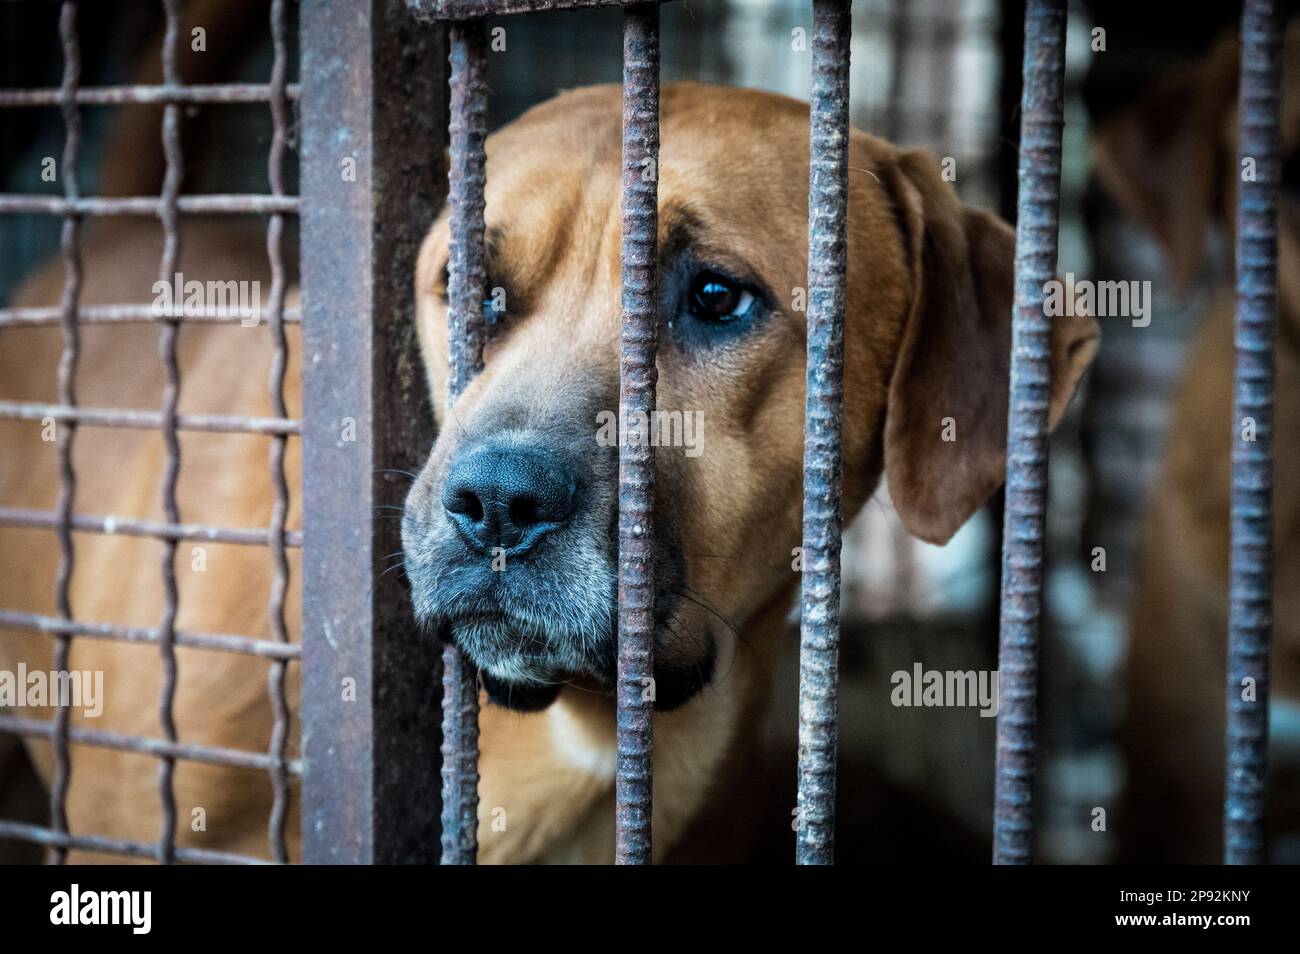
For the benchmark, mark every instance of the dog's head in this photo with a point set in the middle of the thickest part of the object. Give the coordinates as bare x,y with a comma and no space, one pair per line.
1170,159
510,529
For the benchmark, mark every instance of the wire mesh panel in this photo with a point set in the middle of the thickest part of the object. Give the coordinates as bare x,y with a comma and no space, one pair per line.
1250,619
66,521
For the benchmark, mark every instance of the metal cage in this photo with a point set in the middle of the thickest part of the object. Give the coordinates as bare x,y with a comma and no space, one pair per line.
375,89
70,416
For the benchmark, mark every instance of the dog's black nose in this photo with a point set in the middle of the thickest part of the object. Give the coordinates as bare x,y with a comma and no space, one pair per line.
508,496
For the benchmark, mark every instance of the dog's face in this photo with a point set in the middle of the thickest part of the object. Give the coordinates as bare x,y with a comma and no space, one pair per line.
510,529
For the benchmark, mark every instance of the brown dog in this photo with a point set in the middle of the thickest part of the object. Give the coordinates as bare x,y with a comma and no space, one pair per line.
927,325
1172,162
221,698
509,529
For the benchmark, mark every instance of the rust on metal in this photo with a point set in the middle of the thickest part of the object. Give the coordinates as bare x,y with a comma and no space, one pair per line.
1250,613
636,462
140,95
130,527
133,314
819,626
58,842
168,749
151,420
279,481
465,286
149,206
70,245
373,90
69,315
475,9
168,346
218,642
1041,125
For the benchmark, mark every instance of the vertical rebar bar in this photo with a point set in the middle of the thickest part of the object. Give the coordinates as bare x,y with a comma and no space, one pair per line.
1038,204
67,430
636,463
465,289
819,625
279,483
1250,613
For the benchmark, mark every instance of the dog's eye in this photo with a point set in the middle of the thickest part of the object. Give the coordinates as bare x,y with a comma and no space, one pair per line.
494,302
715,297
494,297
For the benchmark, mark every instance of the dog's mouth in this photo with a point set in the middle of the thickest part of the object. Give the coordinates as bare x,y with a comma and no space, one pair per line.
519,662
524,667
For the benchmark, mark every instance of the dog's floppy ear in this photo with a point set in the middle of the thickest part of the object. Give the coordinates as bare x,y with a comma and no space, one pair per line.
946,418
1163,157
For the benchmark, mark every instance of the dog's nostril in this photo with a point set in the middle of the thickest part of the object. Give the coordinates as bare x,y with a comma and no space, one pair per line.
467,504
523,511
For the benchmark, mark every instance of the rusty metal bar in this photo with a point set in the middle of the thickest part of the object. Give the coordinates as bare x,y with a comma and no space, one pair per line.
819,626
166,749
168,347
130,314
373,92
67,388
133,95
465,281
147,420
218,642
279,481
1041,124
476,9
21,831
129,527
145,205
636,462
1250,613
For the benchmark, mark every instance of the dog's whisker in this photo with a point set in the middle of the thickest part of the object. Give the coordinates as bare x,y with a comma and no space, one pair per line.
694,597
399,565
867,171
740,641
456,420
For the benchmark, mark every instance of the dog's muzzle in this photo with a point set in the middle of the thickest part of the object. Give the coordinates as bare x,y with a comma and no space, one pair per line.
509,557
512,557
